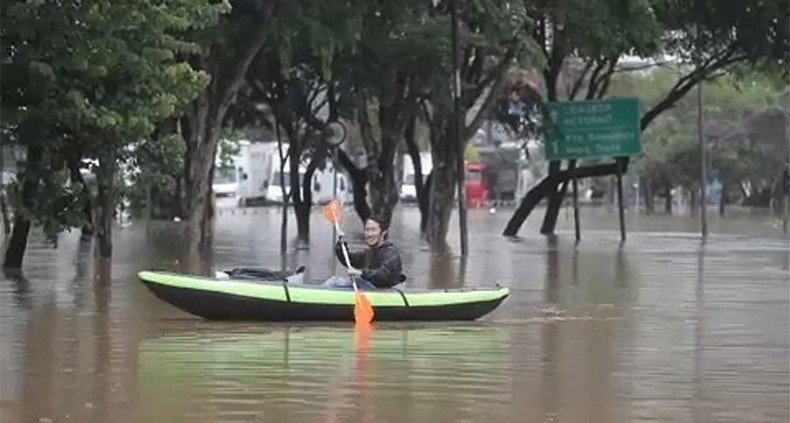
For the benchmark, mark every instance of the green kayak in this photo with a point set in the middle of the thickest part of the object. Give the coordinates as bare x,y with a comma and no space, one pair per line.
268,300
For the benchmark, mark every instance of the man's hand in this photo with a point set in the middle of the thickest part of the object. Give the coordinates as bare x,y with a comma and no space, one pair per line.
355,273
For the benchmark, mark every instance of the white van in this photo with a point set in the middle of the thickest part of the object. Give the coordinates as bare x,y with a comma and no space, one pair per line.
408,189
321,185
254,171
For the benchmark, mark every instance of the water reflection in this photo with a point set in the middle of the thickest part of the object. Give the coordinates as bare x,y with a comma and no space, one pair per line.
658,328
552,271
325,374
697,412
20,287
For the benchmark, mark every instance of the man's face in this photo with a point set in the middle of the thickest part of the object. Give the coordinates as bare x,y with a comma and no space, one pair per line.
373,233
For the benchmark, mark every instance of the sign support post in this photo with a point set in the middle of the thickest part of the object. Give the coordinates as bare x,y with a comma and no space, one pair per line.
620,197
575,202
594,129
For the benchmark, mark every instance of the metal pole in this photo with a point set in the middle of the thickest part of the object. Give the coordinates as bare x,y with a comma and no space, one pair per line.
575,202
620,197
334,187
703,165
458,129
786,173
786,200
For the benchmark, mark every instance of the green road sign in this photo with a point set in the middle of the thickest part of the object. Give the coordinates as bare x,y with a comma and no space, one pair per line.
593,128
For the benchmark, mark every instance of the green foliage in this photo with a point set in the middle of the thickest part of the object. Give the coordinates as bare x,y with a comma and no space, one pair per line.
754,30
92,77
740,150
471,154
156,164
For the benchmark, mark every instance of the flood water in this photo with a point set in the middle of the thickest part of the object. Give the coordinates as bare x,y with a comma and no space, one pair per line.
660,328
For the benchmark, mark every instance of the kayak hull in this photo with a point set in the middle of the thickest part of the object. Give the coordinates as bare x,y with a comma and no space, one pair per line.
278,301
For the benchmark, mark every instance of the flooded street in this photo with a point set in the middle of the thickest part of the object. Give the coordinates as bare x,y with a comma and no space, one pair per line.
661,328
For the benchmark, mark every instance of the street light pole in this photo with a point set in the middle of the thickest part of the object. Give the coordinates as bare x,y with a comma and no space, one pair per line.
703,162
458,125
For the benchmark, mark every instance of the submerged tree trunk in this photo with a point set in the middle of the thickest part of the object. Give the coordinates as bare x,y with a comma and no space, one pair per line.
543,189
421,188
667,198
302,211
18,243
201,133
3,205
87,207
304,202
424,203
442,190
693,202
647,194
723,200
6,217
359,181
382,182
284,193
205,115
555,200
105,179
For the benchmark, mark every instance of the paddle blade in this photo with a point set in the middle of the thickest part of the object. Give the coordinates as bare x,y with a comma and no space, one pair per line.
332,211
363,310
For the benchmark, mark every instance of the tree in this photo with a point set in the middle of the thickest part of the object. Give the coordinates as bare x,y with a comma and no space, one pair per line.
104,74
400,76
226,52
704,39
742,153
295,76
493,39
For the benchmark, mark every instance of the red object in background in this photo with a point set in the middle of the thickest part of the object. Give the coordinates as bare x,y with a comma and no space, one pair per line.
476,185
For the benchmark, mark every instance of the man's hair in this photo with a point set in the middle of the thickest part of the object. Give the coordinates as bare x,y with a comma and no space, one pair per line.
381,219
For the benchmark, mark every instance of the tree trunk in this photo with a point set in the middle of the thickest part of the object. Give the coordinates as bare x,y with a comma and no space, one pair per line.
442,189
424,202
528,203
383,185
667,198
284,193
4,210
302,211
205,115
209,215
441,202
105,179
18,243
555,201
300,188
179,197
421,188
693,203
303,203
723,200
544,188
87,207
202,136
359,181
647,194
3,205
553,210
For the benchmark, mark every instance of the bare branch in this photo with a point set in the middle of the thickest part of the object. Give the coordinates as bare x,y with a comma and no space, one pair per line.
687,82
606,78
578,83
592,86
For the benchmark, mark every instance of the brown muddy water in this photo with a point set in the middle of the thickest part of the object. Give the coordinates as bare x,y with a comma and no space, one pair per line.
661,328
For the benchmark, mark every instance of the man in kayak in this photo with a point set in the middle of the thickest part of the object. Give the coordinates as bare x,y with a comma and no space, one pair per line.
379,266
